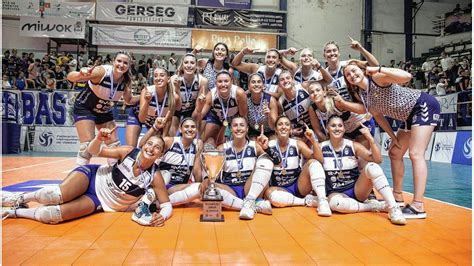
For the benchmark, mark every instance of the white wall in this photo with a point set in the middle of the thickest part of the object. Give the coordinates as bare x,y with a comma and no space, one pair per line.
313,23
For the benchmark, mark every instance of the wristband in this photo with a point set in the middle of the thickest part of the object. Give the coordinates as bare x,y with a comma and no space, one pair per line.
154,128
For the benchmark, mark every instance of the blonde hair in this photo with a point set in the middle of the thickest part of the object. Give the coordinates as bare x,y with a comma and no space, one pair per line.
170,89
180,70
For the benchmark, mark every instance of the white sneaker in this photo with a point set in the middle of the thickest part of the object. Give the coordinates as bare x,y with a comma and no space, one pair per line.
248,210
12,199
8,213
323,209
142,214
311,201
263,206
396,216
377,206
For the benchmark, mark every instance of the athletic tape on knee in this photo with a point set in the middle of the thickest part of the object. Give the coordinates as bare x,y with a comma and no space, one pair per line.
343,205
280,198
261,176
49,195
83,155
49,214
186,195
318,178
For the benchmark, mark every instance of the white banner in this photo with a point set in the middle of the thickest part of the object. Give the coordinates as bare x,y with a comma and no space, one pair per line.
443,147
52,8
56,139
448,103
52,27
142,13
386,141
141,36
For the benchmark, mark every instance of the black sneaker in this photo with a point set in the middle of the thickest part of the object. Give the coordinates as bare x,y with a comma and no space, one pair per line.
411,213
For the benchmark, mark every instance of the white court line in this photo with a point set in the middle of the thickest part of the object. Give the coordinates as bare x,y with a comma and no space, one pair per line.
445,202
33,165
67,171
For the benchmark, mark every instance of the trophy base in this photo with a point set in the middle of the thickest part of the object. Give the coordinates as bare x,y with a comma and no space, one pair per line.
204,219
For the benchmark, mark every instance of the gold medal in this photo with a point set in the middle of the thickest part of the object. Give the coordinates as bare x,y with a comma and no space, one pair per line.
340,175
257,126
225,123
239,174
283,171
367,116
187,105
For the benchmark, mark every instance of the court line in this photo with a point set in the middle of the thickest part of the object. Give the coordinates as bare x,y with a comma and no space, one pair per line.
445,202
33,165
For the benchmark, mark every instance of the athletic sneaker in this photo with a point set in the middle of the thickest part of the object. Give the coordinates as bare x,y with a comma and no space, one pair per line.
411,213
12,199
323,209
311,201
377,206
248,210
8,213
263,206
142,214
396,216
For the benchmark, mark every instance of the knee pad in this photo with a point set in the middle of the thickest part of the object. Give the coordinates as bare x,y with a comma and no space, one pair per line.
373,170
49,214
264,162
83,155
277,199
49,195
343,205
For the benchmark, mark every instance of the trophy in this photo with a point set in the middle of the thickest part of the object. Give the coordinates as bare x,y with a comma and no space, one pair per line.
213,160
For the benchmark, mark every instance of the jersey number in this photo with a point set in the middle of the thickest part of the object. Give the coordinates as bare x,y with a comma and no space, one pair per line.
125,185
338,163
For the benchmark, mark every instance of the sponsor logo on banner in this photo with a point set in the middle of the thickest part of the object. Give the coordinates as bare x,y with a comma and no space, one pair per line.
141,36
52,27
233,4
53,8
142,13
58,139
387,141
443,147
39,108
241,19
234,40
463,148
9,106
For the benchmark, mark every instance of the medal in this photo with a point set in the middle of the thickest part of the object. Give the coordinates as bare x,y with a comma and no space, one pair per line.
239,174
340,175
367,116
187,105
283,171
225,123
256,126
188,173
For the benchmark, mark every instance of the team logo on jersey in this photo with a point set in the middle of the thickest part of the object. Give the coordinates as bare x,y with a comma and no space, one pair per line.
346,151
249,152
46,138
292,152
467,150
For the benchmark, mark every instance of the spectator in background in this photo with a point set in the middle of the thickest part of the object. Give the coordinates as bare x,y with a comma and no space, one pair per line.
465,80
150,73
441,87
172,62
61,81
12,71
6,83
72,63
141,82
33,73
142,66
80,60
426,67
53,58
20,82
447,64
163,63
392,64
49,82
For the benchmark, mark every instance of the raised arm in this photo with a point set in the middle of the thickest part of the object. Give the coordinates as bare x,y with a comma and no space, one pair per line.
370,57
385,76
94,74
97,149
248,68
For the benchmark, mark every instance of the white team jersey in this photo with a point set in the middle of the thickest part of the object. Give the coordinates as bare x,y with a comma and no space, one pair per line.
103,89
339,82
291,162
271,84
297,109
230,105
178,163
243,162
313,75
117,188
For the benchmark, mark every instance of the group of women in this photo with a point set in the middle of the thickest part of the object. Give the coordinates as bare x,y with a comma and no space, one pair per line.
300,136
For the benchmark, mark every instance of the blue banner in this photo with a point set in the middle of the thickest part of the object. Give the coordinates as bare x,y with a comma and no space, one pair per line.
9,106
463,148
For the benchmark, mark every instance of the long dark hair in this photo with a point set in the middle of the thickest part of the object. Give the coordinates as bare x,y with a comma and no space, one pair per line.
226,63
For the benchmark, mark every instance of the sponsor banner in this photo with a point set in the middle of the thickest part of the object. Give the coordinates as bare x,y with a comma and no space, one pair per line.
386,141
142,13
447,122
233,4
52,8
234,40
141,36
42,108
9,106
443,147
240,19
463,148
52,27
56,139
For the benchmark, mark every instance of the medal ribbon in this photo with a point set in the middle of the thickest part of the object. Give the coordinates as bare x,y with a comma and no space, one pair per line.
160,111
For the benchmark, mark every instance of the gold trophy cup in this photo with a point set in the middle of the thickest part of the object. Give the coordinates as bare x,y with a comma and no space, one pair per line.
213,160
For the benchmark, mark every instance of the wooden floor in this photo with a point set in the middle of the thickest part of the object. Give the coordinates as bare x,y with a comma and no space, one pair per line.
289,236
